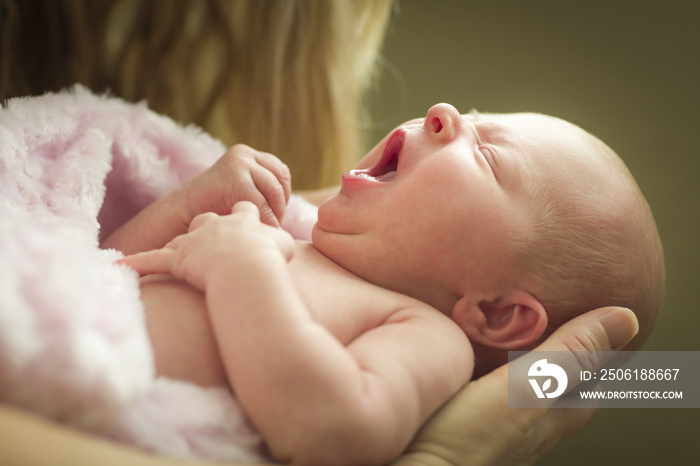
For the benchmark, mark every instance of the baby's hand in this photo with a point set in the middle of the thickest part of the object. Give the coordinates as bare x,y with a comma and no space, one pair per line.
241,174
216,246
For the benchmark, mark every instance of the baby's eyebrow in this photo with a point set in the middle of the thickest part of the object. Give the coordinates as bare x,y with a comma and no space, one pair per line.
491,131
487,129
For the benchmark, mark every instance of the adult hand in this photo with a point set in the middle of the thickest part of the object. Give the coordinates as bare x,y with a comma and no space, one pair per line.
241,174
477,428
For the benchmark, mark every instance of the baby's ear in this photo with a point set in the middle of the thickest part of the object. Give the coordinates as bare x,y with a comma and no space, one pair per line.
509,322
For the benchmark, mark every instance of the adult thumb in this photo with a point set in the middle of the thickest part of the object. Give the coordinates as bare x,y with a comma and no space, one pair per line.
603,329
585,343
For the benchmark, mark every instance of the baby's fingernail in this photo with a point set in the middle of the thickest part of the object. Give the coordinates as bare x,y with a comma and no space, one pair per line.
620,325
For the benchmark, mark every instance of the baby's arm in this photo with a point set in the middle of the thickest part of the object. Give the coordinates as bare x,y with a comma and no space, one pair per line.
314,400
241,174
318,402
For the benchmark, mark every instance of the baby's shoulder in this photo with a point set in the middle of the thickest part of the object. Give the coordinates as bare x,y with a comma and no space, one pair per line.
348,305
427,322
421,346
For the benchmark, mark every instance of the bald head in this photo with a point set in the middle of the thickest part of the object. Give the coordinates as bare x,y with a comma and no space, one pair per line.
595,242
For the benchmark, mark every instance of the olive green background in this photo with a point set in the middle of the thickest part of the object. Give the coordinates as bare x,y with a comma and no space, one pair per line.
626,71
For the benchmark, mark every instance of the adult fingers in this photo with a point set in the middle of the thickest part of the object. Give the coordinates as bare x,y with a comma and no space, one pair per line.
604,329
592,340
478,428
586,343
582,344
155,261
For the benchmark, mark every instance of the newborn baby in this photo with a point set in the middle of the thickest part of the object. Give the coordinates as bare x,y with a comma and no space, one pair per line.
457,239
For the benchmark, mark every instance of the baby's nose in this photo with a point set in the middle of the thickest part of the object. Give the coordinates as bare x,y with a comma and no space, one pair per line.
443,121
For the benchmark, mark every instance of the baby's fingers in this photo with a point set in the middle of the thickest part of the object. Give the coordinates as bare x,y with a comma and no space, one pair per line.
279,170
246,207
148,262
268,196
273,182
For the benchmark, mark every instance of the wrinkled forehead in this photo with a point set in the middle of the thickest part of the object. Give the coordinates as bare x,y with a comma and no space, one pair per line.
548,162
527,131
544,145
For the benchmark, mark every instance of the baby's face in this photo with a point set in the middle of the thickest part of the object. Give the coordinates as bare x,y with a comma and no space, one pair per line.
445,201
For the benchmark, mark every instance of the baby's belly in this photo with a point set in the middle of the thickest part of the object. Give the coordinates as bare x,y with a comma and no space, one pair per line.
178,325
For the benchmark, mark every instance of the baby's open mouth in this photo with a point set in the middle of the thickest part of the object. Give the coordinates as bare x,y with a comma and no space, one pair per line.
385,169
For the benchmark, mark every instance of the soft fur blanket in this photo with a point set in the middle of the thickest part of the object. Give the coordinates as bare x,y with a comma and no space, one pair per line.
73,342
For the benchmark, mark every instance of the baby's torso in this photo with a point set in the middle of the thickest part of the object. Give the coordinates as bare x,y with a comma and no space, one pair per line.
183,341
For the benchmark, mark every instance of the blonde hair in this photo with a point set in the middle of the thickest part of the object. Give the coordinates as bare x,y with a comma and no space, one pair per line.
596,247
284,76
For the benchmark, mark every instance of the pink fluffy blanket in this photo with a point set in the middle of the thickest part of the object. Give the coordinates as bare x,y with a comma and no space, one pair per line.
73,343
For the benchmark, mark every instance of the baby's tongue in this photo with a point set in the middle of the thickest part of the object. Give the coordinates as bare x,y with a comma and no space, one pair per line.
384,178
389,176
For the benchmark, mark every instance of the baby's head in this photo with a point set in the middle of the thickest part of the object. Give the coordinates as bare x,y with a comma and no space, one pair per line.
594,240
511,224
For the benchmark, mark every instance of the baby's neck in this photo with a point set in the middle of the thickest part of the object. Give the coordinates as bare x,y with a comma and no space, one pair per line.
444,302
